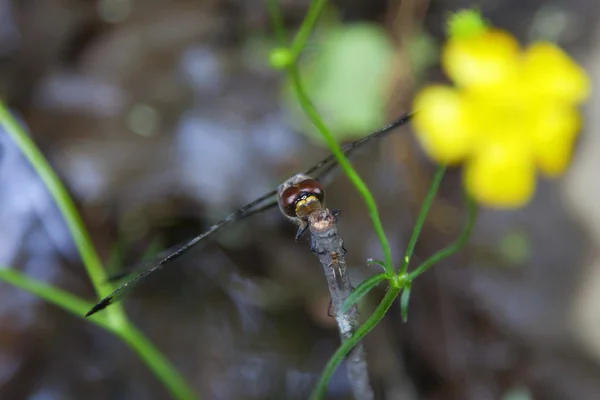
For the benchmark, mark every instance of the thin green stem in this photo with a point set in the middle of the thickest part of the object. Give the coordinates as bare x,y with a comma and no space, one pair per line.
277,20
113,319
347,346
299,42
454,247
136,340
51,294
308,25
361,290
66,205
356,180
410,248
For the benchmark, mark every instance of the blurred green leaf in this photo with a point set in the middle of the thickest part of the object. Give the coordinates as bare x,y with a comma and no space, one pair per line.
553,23
423,53
515,248
347,79
517,393
370,261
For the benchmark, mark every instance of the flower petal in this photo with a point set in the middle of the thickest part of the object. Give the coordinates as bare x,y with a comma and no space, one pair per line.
553,137
552,73
501,175
482,60
443,123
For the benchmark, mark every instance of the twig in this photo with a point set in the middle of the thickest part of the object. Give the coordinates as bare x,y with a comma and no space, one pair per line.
326,243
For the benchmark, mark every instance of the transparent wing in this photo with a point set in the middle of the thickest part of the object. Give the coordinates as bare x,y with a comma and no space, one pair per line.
329,163
126,288
154,259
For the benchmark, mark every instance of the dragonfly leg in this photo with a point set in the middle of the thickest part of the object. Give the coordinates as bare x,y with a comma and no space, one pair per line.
329,313
301,230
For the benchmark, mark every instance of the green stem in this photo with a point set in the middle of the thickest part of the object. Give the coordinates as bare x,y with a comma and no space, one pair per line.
361,290
346,347
308,25
277,20
136,340
63,200
299,42
356,180
63,299
437,179
454,247
113,319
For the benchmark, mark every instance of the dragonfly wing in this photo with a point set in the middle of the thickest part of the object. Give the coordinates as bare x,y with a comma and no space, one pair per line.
151,261
323,168
126,288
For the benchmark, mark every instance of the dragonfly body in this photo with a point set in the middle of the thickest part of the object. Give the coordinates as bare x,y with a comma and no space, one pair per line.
298,198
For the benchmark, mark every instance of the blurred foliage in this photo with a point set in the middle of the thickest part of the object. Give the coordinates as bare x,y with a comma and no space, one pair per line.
515,248
114,319
517,393
346,73
423,53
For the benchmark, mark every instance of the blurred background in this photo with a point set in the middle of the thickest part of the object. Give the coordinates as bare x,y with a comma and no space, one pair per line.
164,116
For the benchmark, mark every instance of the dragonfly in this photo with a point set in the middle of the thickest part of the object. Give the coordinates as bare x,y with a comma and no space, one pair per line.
297,197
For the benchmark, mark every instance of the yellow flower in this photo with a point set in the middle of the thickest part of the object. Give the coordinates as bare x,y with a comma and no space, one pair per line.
512,112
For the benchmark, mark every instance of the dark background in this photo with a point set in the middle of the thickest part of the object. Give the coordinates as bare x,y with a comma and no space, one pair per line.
161,117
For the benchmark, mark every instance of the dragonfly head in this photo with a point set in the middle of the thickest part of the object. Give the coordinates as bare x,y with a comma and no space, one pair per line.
299,196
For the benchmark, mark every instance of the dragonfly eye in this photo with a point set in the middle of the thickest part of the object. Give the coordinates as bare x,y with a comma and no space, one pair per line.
288,200
312,187
298,194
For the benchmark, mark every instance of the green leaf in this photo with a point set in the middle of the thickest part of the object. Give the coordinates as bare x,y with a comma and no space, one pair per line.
361,291
404,298
370,261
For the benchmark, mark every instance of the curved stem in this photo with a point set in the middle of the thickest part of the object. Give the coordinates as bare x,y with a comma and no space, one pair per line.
361,290
437,179
308,25
66,205
161,367
347,346
299,42
114,319
335,148
454,247
277,20
61,298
